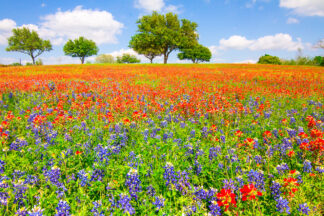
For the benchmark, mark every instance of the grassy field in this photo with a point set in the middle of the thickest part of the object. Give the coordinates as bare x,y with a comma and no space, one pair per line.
210,139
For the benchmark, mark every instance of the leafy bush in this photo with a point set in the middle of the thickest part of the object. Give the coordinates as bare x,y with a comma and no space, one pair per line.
16,64
268,59
39,62
127,58
105,59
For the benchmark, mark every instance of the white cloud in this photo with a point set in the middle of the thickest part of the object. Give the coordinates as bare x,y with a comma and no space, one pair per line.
150,5
271,42
96,25
43,5
235,42
6,25
248,61
291,20
99,26
156,5
304,7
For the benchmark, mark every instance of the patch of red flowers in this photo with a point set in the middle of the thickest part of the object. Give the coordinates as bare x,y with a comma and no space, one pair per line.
291,185
249,192
226,198
78,152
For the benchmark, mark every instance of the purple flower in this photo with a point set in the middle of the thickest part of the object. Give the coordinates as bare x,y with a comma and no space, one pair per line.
275,189
2,164
214,209
213,152
123,203
133,182
62,209
257,178
282,205
304,208
159,202
307,166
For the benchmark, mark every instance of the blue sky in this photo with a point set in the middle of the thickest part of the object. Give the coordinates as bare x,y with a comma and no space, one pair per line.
234,30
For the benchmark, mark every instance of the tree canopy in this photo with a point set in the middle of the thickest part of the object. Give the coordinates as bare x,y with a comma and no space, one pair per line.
128,58
105,59
198,53
81,48
268,59
160,34
28,42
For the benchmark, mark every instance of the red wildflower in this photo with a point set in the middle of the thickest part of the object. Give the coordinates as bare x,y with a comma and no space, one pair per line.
238,133
291,153
226,198
249,192
290,185
267,134
315,133
78,152
302,135
304,146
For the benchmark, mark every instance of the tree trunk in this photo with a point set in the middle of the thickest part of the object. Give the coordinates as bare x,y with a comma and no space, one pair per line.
82,60
166,58
151,59
33,59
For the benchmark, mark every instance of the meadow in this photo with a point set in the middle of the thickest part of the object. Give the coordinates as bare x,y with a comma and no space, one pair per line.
210,139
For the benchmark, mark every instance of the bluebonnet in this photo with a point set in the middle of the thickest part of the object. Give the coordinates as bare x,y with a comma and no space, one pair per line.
97,175
133,182
36,211
159,202
201,193
62,209
229,184
4,198
2,164
19,191
282,168
83,176
223,139
257,178
320,169
53,175
258,159
96,209
21,212
197,167
169,174
282,205
240,181
123,203
303,208
275,189
307,166
213,152
151,191
214,209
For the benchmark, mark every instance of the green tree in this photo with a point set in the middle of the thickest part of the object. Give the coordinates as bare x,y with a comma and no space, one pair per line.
268,59
127,58
196,54
145,44
28,42
81,48
105,59
164,33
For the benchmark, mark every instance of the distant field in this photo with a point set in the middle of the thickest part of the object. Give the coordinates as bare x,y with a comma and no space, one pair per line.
209,139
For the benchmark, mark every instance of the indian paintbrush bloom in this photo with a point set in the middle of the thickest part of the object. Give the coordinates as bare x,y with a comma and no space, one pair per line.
249,192
226,198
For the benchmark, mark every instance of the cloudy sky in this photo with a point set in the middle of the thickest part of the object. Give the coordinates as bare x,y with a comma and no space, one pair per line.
234,30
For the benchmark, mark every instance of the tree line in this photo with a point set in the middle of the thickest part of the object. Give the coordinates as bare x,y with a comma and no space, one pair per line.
157,35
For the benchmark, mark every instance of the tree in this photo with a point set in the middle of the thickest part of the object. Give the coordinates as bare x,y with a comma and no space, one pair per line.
268,59
81,48
127,58
28,42
145,44
105,59
196,54
165,34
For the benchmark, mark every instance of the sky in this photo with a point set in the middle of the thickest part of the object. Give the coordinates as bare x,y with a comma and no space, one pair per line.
236,31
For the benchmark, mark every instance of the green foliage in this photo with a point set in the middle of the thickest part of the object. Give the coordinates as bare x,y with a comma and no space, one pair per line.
268,59
196,54
105,59
28,42
319,60
81,48
160,34
16,64
128,59
39,62
146,45
302,60
29,64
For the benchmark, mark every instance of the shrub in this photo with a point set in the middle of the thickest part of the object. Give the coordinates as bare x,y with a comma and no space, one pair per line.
268,59
128,58
105,59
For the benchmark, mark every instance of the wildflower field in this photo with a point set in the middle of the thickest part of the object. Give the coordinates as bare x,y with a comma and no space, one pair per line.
161,140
